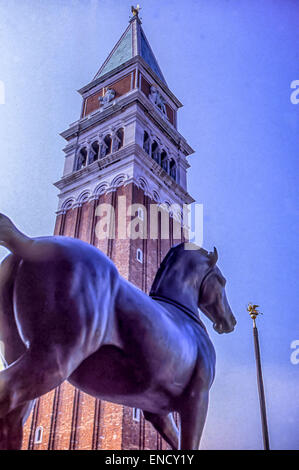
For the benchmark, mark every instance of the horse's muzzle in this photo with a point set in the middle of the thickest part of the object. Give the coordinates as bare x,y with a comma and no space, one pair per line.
225,326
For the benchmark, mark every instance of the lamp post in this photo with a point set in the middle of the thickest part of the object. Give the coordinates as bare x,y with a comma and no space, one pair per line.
253,312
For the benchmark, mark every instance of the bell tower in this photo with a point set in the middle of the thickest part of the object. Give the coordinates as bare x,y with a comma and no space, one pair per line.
123,189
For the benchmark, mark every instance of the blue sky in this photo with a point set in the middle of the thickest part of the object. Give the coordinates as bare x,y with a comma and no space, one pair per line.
231,63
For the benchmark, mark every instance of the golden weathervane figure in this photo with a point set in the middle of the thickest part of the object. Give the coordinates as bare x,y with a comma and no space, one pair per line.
135,10
253,311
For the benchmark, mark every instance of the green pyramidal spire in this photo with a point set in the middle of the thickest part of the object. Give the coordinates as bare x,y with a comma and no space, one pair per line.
132,43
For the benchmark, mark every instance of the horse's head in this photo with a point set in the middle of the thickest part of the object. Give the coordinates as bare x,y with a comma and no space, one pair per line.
212,299
190,277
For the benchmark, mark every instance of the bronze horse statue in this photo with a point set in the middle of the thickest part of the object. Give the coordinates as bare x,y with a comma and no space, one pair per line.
67,314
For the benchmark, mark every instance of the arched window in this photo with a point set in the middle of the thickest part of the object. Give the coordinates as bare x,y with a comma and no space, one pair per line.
81,159
146,143
94,152
164,162
143,184
108,144
155,152
139,255
120,135
38,436
172,169
68,204
136,414
118,181
83,197
156,196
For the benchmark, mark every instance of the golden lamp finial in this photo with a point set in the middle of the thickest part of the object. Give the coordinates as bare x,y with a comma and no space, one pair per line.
135,10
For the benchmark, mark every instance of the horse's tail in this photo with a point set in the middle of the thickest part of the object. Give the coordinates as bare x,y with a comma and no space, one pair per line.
14,240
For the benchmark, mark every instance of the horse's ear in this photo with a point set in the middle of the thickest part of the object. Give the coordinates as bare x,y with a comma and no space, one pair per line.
213,257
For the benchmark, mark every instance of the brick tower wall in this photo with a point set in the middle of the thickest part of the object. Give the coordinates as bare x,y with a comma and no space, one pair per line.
71,419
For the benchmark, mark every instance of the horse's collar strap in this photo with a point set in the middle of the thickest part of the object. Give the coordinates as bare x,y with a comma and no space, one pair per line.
177,304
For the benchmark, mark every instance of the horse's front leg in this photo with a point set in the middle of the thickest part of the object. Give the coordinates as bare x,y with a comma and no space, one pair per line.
166,427
193,412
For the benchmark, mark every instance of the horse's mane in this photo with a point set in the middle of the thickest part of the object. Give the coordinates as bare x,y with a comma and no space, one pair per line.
168,261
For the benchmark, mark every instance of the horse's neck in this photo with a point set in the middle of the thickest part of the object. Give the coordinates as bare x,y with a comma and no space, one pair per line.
176,286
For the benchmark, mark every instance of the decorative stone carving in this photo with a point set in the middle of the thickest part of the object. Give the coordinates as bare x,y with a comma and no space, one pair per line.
157,99
108,96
